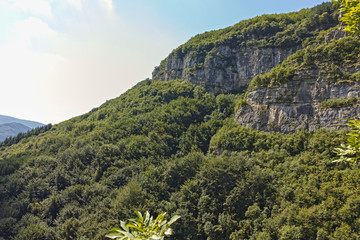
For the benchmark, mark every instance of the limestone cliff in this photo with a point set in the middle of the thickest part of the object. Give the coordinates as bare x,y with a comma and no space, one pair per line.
301,104
318,86
224,69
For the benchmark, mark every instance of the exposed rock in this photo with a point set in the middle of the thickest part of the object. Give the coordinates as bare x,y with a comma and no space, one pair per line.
223,69
297,104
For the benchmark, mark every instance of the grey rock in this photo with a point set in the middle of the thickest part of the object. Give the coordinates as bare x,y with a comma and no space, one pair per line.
296,104
223,69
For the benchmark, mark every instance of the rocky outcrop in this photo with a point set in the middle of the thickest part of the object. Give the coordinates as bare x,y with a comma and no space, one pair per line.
223,69
299,104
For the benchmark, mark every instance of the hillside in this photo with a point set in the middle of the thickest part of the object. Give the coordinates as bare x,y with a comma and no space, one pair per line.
174,146
30,124
171,146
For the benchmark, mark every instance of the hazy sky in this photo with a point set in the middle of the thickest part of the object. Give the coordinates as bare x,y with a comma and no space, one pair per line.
61,58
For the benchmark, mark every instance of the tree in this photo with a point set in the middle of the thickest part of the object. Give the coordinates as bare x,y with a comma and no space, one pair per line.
143,228
350,15
351,151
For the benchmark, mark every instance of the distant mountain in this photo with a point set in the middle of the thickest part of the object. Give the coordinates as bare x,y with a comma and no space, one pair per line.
10,126
30,124
12,129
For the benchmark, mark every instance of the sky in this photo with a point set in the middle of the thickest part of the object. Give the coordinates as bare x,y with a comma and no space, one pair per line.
61,58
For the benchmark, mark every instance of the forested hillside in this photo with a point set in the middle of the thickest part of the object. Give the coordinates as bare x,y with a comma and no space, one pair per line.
172,146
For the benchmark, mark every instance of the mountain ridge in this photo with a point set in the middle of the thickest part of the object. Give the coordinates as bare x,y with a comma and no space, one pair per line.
12,129
226,60
9,119
10,126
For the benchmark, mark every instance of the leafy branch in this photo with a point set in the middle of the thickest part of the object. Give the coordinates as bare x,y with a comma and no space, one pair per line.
143,227
350,152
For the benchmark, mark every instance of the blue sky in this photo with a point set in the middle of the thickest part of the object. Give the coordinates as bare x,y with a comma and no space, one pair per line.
61,58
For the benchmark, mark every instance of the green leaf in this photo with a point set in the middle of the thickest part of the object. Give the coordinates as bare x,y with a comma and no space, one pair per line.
114,235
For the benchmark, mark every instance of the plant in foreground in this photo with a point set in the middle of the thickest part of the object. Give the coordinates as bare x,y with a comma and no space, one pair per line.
351,15
351,151
143,227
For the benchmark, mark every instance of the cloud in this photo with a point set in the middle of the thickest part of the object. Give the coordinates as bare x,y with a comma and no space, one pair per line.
37,7
75,3
108,5
33,33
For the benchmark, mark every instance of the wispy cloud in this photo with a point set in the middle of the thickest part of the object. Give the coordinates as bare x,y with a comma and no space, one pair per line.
108,4
38,7
75,3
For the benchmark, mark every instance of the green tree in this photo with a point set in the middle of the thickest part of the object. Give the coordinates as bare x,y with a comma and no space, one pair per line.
143,227
351,15
350,152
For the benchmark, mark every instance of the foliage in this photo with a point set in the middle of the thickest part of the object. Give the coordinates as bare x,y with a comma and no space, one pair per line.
351,151
351,15
339,102
34,132
144,227
278,75
275,30
172,147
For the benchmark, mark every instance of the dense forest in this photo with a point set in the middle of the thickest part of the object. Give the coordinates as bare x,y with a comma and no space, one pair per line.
171,146
174,147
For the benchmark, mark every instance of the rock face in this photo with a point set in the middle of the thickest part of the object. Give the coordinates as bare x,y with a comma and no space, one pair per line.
298,104
223,69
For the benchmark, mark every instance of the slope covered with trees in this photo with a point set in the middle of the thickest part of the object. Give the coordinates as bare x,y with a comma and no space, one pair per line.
171,146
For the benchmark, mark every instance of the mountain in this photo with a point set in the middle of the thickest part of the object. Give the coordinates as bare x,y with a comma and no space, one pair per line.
297,70
226,60
174,146
10,126
12,129
30,124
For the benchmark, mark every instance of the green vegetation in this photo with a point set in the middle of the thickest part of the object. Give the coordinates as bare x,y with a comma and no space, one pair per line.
172,147
144,227
351,15
339,102
351,151
275,30
278,75
34,132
